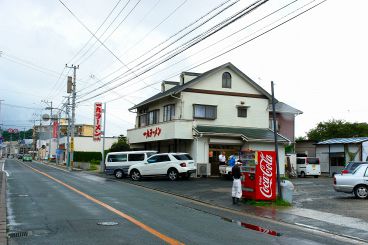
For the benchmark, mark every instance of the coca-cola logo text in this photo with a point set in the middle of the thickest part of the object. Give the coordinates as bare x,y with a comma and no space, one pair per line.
265,179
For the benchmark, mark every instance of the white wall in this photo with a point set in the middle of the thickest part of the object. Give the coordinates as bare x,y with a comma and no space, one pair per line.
257,114
322,154
87,144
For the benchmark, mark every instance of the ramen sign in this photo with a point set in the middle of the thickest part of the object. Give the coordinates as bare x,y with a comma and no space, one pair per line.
266,176
97,132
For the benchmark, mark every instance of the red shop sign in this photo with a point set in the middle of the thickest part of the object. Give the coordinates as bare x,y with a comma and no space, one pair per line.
152,132
97,122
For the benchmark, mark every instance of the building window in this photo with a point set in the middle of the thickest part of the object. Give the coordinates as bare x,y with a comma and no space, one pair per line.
153,117
205,112
169,112
226,80
242,111
142,120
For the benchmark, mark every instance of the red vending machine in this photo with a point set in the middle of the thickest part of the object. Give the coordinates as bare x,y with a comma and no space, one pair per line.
258,175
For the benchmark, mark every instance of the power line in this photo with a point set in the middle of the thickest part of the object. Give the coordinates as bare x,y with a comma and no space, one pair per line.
221,25
90,39
23,107
76,17
232,49
186,27
112,22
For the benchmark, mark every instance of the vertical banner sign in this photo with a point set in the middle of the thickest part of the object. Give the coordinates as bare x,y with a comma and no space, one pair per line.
54,129
97,122
266,176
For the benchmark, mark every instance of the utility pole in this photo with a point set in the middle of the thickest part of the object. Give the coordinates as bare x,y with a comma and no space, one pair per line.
74,93
49,104
276,144
67,136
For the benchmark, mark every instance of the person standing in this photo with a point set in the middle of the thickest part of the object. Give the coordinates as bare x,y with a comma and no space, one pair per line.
236,190
222,158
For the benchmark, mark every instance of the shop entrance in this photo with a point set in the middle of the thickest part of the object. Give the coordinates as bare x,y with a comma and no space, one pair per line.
215,151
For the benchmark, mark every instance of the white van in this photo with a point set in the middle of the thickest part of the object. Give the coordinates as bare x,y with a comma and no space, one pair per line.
308,166
118,163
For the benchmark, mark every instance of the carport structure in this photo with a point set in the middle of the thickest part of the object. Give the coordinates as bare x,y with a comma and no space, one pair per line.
335,153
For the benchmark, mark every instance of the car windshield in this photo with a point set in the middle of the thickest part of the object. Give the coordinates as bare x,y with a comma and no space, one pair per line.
313,160
150,154
182,156
27,155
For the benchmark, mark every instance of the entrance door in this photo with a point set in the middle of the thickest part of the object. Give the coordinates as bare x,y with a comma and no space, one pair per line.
215,151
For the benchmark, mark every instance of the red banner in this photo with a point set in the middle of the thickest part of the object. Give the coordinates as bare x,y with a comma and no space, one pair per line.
266,176
55,129
97,132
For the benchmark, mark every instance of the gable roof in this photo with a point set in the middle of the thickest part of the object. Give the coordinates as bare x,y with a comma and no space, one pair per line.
179,88
343,141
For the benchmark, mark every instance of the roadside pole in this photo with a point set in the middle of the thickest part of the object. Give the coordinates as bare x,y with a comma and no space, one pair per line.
74,93
102,163
67,136
276,143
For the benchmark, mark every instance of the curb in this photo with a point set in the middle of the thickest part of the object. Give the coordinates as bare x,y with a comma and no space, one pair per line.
3,236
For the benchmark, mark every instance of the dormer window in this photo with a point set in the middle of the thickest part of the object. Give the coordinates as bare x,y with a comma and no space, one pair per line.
226,80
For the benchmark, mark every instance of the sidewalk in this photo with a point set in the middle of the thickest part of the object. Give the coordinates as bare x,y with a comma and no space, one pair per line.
3,237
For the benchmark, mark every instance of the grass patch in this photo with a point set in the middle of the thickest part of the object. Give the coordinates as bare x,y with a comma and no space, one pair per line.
278,203
94,167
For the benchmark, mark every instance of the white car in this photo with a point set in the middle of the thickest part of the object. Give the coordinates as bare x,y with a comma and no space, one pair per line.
171,165
356,182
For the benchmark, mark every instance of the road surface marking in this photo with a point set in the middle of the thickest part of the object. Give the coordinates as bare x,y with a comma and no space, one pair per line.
2,169
167,239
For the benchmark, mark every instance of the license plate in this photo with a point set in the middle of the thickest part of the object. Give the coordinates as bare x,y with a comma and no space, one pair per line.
314,167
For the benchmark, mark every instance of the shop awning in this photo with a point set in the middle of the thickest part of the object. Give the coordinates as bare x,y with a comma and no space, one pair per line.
247,134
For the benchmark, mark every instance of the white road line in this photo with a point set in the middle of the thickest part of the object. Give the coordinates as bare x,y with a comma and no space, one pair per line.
3,170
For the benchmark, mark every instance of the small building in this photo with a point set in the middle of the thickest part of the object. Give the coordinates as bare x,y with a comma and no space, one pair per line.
204,114
306,148
335,153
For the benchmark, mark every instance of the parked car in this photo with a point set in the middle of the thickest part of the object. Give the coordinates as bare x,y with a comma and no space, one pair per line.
20,156
171,165
356,182
350,167
27,157
308,166
118,163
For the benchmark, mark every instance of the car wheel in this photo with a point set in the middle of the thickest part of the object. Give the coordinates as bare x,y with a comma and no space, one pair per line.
302,174
361,191
118,174
172,174
135,175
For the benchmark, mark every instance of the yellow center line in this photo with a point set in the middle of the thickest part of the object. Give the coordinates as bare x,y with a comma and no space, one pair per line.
167,239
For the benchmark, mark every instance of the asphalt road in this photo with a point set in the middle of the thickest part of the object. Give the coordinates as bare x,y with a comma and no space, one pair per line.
51,206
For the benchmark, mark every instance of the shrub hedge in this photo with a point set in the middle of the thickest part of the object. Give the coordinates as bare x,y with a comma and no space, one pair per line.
86,156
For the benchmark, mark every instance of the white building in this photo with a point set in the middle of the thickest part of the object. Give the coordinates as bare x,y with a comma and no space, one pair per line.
208,113
335,153
80,144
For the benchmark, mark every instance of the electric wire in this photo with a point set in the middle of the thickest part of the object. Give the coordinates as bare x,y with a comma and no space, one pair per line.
234,48
76,17
90,39
186,27
108,27
230,20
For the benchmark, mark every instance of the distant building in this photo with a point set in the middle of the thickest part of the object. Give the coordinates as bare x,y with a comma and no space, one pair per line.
306,147
335,153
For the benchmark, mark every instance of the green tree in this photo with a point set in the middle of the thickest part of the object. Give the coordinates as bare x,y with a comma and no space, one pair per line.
337,129
18,136
121,145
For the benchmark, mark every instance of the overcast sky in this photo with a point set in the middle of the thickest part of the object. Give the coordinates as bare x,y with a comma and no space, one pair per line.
317,60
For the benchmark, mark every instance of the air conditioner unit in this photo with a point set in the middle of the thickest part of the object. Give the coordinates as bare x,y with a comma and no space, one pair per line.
202,169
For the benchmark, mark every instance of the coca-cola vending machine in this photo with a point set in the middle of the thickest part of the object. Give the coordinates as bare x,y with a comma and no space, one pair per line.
258,175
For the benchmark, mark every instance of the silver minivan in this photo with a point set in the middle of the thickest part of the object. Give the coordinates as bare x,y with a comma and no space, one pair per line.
118,163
